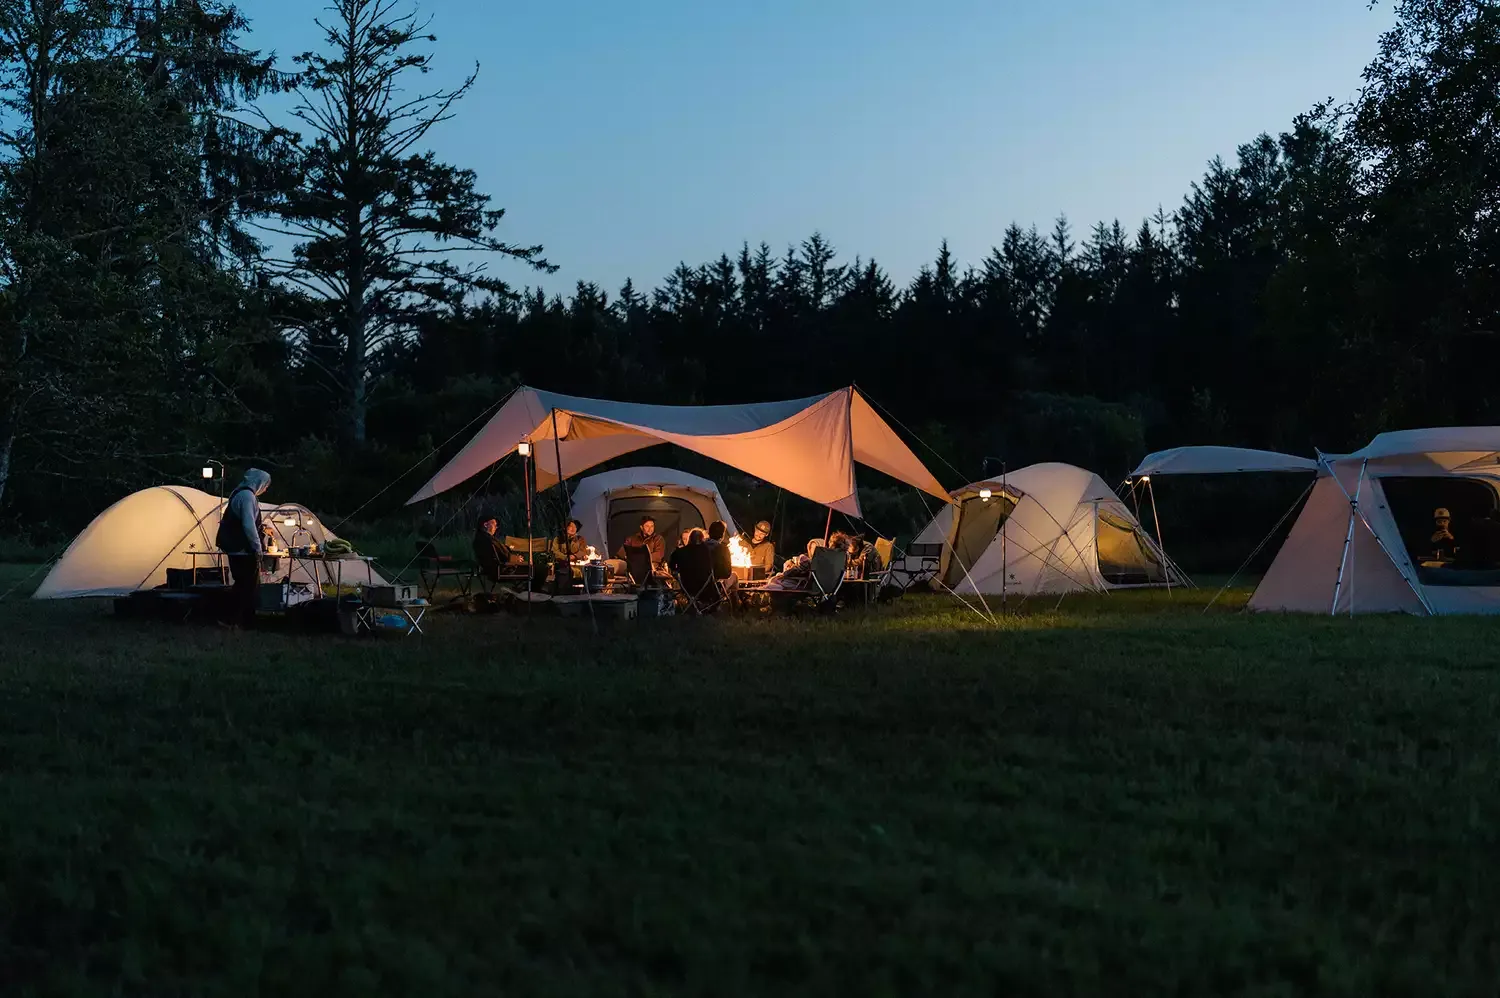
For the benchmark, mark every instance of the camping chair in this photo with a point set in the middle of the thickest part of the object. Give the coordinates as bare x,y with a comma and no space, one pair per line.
696,582
884,580
919,564
638,564
824,581
432,568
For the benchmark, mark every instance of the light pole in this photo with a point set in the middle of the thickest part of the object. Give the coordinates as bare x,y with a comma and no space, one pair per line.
209,474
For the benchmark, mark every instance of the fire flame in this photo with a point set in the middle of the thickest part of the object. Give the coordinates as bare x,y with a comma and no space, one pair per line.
592,555
739,554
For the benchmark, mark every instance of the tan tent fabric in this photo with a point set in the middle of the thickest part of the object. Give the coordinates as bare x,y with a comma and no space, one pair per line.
808,446
131,544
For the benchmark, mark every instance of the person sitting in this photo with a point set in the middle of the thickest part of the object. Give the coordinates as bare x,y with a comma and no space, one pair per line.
490,552
1444,546
676,555
762,551
646,538
858,551
695,570
723,561
570,544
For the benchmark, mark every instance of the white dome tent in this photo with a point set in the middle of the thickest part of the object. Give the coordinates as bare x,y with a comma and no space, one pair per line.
610,505
130,545
1046,528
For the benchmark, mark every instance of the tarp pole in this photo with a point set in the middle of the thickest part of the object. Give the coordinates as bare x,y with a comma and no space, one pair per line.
1338,584
530,556
828,527
1156,519
567,511
1004,540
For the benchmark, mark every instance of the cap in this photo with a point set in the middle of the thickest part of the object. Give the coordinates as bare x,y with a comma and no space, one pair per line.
1441,513
764,525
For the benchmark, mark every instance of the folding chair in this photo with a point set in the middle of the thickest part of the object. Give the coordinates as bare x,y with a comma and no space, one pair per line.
824,581
638,564
432,568
920,563
696,582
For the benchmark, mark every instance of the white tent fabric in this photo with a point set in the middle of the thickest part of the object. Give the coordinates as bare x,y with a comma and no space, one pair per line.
808,446
594,496
1348,557
131,544
1069,532
1219,461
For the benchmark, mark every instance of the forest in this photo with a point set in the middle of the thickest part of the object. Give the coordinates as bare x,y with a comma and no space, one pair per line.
210,253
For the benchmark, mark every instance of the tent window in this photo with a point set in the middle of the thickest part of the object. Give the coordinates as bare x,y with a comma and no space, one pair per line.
673,516
1126,557
978,523
1473,558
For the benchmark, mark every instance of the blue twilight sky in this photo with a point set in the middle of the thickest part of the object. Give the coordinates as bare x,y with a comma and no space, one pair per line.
626,137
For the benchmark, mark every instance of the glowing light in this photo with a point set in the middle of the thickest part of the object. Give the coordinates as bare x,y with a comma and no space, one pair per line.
661,492
593,554
1145,479
290,521
524,448
984,495
208,473
739,554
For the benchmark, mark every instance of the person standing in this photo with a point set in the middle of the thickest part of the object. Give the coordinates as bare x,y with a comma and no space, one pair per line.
239,538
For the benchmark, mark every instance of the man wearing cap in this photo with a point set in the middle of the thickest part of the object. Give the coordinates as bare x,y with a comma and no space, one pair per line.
1443,544
762,551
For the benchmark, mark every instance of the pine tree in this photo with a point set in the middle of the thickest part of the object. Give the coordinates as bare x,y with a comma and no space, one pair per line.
383,227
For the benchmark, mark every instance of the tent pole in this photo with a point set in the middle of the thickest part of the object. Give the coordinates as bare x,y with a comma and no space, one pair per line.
1155,519
1004,541
567,511
1338,584
1415,589
530,556
828,527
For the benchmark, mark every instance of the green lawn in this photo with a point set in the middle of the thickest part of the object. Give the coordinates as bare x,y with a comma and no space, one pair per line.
1126,796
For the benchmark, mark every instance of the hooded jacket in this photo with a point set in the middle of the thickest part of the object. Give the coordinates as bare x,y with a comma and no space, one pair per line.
239,526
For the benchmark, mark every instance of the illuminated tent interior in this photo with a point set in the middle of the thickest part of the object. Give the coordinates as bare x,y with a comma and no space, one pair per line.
807,446
610,505
1045,528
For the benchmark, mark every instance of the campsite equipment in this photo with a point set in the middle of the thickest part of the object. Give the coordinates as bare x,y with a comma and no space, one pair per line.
655,601
1047,528
390,596
595,576
274,595
603,606
1362,541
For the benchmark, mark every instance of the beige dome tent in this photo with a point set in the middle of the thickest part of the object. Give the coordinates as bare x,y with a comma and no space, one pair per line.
610,505
1046,528
131,544
1362,542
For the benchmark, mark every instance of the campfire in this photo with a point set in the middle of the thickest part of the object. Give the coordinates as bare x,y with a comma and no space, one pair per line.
592,555
739,554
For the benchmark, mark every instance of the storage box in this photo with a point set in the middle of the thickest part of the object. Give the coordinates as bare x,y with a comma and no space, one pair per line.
273,595
211,575
179,578
390,596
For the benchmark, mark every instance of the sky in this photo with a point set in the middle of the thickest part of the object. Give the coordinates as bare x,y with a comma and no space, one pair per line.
627,137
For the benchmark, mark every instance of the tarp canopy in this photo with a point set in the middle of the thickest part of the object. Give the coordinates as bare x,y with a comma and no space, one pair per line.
1219,461
808,446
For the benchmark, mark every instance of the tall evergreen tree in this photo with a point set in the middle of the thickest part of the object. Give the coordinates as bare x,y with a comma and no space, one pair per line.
382,226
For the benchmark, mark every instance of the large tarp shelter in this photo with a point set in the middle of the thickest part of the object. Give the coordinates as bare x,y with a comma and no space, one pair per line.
131,544
808,446
1362,542
610,505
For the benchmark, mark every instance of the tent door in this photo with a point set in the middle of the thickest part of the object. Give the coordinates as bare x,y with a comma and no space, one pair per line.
979,523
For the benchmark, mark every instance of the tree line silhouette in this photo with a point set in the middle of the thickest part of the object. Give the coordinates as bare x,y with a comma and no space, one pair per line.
184,275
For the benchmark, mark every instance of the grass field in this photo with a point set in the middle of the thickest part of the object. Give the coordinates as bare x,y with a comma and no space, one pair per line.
1126,796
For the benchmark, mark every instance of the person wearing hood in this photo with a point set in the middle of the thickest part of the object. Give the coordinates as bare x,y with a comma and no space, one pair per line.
239,538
